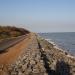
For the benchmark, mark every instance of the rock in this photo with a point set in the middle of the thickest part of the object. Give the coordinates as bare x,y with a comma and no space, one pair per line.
32,62
35,70
20,73
35,61
14,73
24,67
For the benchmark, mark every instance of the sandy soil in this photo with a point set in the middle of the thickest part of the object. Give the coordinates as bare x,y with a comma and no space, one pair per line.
12,53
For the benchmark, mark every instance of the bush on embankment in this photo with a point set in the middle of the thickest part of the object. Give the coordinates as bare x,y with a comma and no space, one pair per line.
8,32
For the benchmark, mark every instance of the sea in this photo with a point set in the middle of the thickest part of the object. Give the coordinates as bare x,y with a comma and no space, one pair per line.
64,40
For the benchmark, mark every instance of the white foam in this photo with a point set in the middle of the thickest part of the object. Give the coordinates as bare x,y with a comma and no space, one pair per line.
49,40
57,47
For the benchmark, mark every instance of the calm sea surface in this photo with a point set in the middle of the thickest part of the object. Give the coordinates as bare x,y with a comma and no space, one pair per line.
65,40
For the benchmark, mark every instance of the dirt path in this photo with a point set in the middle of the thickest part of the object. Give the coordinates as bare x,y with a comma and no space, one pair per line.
13,52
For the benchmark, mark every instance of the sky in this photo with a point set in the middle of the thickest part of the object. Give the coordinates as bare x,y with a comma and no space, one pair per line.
39,15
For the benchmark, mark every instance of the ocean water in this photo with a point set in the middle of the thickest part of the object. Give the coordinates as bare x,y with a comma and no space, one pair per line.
65,40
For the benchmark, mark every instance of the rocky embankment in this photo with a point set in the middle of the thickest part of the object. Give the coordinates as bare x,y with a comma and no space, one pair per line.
40,58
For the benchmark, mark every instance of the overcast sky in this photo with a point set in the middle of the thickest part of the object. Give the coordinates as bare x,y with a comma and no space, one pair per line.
39,15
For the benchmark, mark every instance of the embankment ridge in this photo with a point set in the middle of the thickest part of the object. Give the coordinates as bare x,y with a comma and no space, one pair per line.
39,57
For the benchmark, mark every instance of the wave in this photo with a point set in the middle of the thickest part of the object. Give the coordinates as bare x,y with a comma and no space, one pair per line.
57,47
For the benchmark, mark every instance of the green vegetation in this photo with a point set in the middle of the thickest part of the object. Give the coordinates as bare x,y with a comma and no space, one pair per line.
8,32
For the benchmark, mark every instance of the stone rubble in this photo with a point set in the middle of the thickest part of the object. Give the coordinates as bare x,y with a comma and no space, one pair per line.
38,61
57,58
29,63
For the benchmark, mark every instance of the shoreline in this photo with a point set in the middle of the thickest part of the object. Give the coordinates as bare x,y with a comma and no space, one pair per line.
35,57
57,47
